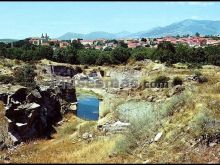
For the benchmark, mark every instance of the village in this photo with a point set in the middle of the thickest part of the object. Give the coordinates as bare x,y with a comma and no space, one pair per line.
103,44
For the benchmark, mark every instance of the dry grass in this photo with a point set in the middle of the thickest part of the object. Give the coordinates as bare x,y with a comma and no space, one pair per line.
181,119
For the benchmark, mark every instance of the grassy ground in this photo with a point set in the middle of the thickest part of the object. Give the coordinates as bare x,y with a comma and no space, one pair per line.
67,146
182,119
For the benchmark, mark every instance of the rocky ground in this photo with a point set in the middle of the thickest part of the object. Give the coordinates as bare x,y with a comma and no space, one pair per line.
178,124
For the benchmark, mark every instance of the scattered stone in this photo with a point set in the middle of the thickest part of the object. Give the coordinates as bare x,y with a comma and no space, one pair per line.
137,68
87,135
3,146
212,144
176,90
115,127
158,136
159,67
146,162
151,98
6,159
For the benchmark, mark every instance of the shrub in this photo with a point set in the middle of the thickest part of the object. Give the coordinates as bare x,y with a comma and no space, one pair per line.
86,67
69,128
5,79
198,124
194,66
177,81
197,73
79,70
121,145
25,76
202,79
161,81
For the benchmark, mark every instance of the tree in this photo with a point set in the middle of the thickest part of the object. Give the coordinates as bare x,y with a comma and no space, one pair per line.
165,52
142,53
77,45
120,55
122,44
197,34
3,50
167,46
88,56
213,54
143,39
199,55
44,52
182,53
104,58
71,55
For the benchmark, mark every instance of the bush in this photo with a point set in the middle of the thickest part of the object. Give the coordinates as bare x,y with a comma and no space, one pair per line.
5,79
197,73
69,128
194,66
202,79
177,81
25,76
78,69
161,81
86,67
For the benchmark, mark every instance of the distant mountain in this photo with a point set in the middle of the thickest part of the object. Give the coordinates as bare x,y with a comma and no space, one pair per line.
8,40
69,35
94,35
188,26
100,34
123,34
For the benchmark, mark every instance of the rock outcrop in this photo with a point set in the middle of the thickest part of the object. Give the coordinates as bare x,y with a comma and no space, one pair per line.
34,114
65,71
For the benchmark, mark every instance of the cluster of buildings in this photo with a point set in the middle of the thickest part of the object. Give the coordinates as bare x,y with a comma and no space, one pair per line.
102,44
191,41
45,40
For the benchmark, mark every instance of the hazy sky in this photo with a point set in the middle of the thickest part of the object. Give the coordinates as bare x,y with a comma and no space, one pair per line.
24,19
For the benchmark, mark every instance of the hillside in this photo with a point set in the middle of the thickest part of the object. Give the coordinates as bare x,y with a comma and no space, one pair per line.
205,27
169,125
188,26
8,40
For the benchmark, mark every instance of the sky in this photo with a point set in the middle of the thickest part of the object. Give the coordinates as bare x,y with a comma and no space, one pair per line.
19,20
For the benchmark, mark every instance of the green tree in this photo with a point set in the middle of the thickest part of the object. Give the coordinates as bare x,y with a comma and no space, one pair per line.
197,34
143,39
165,52
122,44
104,58
120,55
88,56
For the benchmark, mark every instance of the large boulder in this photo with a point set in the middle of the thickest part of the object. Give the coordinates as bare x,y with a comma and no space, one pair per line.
33,114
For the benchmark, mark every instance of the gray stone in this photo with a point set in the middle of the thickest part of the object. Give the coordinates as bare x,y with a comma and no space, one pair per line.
86,135
176,90
33,115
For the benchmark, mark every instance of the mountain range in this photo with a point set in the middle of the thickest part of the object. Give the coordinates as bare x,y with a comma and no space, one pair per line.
188,26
